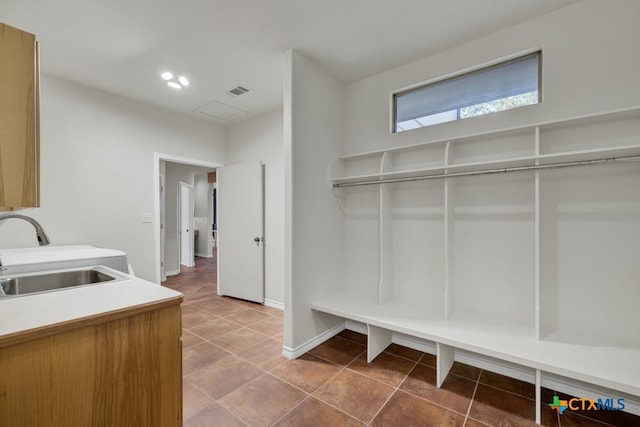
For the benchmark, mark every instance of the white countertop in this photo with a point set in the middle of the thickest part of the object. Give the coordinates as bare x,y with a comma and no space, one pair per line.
24,313
52,253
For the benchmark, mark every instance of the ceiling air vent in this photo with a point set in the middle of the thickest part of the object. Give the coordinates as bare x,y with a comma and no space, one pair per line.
237,91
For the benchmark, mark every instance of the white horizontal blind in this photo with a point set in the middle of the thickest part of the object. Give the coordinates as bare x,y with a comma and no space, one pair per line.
500,81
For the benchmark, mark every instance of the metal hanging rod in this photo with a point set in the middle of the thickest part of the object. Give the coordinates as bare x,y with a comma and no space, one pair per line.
612,160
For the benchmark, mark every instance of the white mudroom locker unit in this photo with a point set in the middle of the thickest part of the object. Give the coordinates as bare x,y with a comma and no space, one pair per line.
521,245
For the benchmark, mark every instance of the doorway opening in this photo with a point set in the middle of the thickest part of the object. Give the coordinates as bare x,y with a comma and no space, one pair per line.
184,208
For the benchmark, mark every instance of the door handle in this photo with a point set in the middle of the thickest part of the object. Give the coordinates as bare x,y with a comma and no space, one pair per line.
257,240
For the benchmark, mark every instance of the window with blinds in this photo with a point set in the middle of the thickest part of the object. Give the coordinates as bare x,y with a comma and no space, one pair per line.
511,84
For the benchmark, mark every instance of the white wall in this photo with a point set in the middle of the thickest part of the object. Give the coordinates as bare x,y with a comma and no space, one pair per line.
97,169
314,233
200,192
262,139
590,64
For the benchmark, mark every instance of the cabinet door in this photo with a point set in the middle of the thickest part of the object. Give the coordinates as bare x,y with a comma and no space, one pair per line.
19,119
120,369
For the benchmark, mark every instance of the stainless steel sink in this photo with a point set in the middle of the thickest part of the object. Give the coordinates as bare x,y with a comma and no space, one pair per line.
23,284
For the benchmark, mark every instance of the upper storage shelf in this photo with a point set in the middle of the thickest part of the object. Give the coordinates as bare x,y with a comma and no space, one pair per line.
441,158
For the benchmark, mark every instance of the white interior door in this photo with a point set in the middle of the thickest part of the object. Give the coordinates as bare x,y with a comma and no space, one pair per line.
186,225
240,234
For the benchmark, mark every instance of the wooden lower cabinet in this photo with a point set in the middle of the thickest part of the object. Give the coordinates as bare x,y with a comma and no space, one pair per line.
125,371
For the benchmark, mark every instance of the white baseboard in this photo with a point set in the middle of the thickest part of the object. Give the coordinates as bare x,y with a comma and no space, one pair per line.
274,304
171,272
487,363
581,389
355,327
294,353
414,343
204,255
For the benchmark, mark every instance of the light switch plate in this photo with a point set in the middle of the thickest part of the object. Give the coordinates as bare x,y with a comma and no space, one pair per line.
146,217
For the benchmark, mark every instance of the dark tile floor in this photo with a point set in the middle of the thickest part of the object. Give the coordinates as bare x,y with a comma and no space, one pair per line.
235,375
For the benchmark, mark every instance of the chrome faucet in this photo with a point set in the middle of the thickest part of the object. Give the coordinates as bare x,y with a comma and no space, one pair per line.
43,240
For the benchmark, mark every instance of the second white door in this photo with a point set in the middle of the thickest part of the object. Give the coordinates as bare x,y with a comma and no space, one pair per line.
187,257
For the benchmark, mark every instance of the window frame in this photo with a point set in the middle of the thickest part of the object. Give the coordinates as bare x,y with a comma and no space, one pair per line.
461,74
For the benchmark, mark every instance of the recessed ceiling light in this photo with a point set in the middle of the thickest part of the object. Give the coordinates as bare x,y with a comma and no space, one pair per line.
167,75
183,81
174,85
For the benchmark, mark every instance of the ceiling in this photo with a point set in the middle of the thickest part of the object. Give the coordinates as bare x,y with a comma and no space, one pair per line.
122,46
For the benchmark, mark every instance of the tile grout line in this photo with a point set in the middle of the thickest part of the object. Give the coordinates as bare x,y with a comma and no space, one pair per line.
336,408
264,372
331,361
415,363
597,421
507,391
432,402
215,401
342,368
203,391
226,333
219,317
285,381
207,366
291,409
473,396
311,395
230,410
406,358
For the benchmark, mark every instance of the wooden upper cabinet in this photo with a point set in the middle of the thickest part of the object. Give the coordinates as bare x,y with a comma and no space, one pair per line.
19,120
